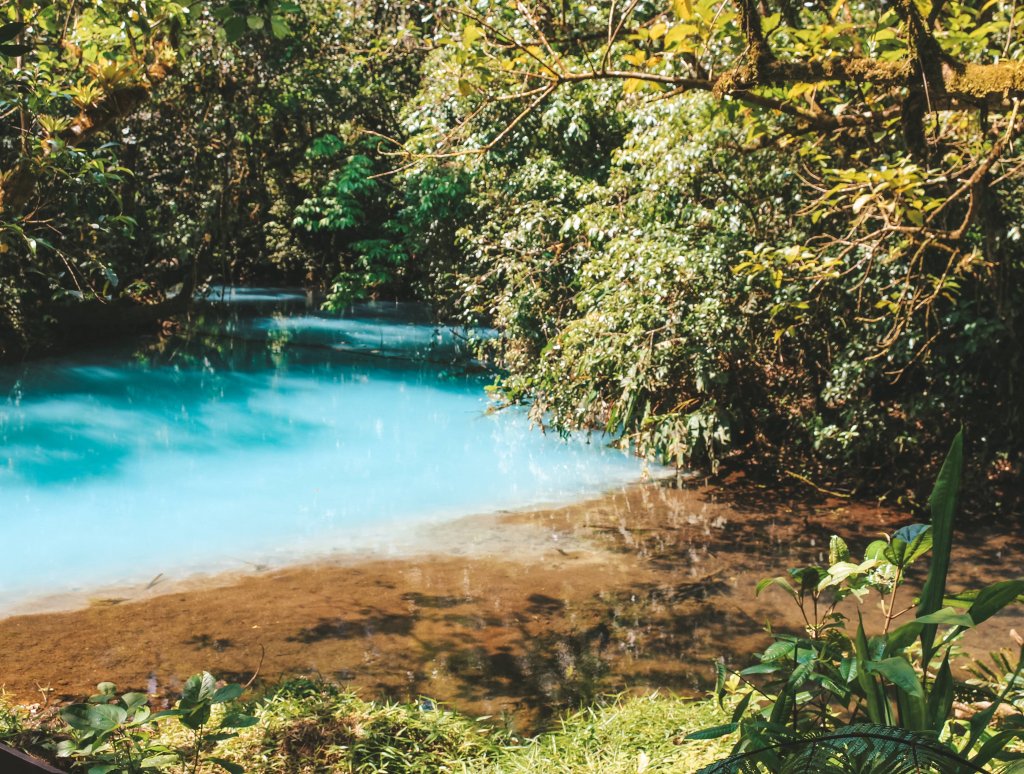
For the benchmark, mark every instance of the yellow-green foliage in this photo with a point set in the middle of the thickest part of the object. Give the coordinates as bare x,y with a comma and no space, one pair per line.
307,727
317,730
631,735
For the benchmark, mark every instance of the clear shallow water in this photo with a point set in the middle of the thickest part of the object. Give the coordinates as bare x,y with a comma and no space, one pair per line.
265,440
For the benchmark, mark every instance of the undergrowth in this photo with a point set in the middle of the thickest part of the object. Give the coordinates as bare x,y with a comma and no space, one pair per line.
307,727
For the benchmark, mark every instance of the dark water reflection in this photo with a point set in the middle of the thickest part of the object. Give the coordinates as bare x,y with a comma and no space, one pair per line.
526,613
260,438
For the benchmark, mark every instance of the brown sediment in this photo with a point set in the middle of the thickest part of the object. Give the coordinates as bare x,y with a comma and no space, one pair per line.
519,613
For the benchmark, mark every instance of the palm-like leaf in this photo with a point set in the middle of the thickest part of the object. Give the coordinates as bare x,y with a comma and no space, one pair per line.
858,749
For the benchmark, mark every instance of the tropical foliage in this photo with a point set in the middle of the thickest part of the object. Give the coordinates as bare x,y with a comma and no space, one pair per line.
706,228
831,697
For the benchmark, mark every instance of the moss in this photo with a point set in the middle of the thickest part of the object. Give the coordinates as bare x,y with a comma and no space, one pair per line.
980,81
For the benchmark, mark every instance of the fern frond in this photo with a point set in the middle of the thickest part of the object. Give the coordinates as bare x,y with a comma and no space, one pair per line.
858,749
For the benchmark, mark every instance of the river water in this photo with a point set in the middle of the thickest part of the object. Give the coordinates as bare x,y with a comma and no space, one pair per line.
279,493
266,435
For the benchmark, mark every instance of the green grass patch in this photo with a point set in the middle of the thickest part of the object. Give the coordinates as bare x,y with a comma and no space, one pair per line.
306,727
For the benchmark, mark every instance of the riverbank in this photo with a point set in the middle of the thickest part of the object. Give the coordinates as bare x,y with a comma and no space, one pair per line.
520,613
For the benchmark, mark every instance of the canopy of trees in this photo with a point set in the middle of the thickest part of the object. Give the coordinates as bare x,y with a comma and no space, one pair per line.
705,226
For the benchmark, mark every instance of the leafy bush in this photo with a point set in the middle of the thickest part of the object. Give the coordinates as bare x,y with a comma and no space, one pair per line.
122,735
811,688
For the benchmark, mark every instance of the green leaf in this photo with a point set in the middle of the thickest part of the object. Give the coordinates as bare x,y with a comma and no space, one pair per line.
898,671
761,669
777,650
254,22
940,696
103,768
714,732
902,638
873,693
995,745
943,507
720,675
947,616
838,551
279,27
909,543
876,550
781,582
741,707
238,720
234,28
470,34
93,717
199,688
196,700
134,700
992,599
227,693
227,765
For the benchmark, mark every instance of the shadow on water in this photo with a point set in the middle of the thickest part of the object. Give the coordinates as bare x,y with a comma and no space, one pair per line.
72,419
527,613
642,588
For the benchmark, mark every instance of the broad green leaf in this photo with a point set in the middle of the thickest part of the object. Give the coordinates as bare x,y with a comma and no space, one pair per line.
761,669
909,543
781,582
943,507
683,9
199,688
238,720
134,700
77,716
873,692
227,693
838,551
876,550
992,599
470,34
901,638
234,28
778,650
898,671
279,27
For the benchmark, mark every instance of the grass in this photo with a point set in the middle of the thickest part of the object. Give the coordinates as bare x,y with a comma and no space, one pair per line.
306,727
311,728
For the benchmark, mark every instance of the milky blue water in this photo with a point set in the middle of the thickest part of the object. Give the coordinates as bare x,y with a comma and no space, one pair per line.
264,440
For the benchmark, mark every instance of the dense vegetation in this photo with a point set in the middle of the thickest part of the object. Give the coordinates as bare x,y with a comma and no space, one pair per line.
306,726
790,230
